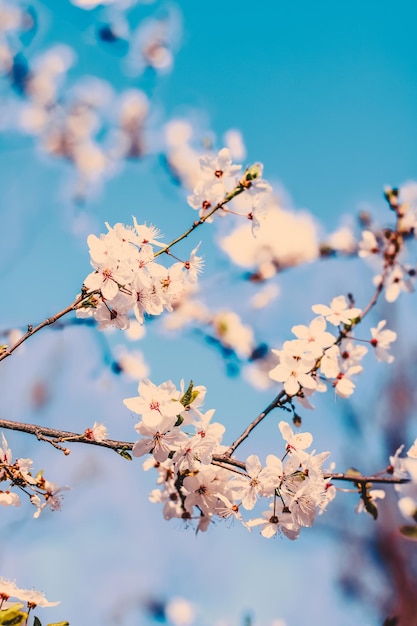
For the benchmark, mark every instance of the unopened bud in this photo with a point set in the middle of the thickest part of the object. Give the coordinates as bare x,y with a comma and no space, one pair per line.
254,171
391,196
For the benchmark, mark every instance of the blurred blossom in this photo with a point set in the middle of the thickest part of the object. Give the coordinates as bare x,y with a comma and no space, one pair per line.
94,93
10,17
187,311
13,336
408,211
264,296
232,333
284,239
257,373
153,43
133,364
180,612
342,240
182,158
47,73
92,4
135,331
6,58
233,140
130,137
408,193
14,20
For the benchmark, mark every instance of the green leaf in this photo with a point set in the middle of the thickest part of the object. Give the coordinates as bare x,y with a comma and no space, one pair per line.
370,507
36,621
409,532
179,421
353,472
13,616
189,395
39,475
124,453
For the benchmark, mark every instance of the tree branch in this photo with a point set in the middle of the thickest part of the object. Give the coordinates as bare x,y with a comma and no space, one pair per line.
274,404
229,196
49,320
55,436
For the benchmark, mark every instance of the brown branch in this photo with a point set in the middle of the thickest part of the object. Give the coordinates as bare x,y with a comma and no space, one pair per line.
342,334
274,404
388,480
55,436
377,293
229,196
49,320
240,187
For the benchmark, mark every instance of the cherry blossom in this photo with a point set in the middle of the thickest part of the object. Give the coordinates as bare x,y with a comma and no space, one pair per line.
52,498
8,498
194,452
219,166
296,442
126,276
202,489
314,336
194,265
381,341
247,490
339,311
350,353
206,195
272,524
9,589
399,279
161,438
368,245
344,385
294,373
98,432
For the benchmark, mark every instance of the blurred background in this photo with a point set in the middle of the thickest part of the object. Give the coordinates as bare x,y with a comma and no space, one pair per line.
104,110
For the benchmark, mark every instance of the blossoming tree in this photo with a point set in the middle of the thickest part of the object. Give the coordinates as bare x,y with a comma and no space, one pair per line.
203,473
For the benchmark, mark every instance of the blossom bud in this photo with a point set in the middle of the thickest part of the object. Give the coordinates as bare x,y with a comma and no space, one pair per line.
254,171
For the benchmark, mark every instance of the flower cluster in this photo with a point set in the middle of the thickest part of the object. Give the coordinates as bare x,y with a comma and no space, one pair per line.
387,246
219,180
127,278
283,238
199,481
317,356
42,493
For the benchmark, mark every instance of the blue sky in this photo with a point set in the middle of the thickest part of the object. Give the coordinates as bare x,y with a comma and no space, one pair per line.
325,96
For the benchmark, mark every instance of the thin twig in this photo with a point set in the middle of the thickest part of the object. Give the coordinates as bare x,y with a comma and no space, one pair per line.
274,404
55,436
240,187
49,320
229,196
388,480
